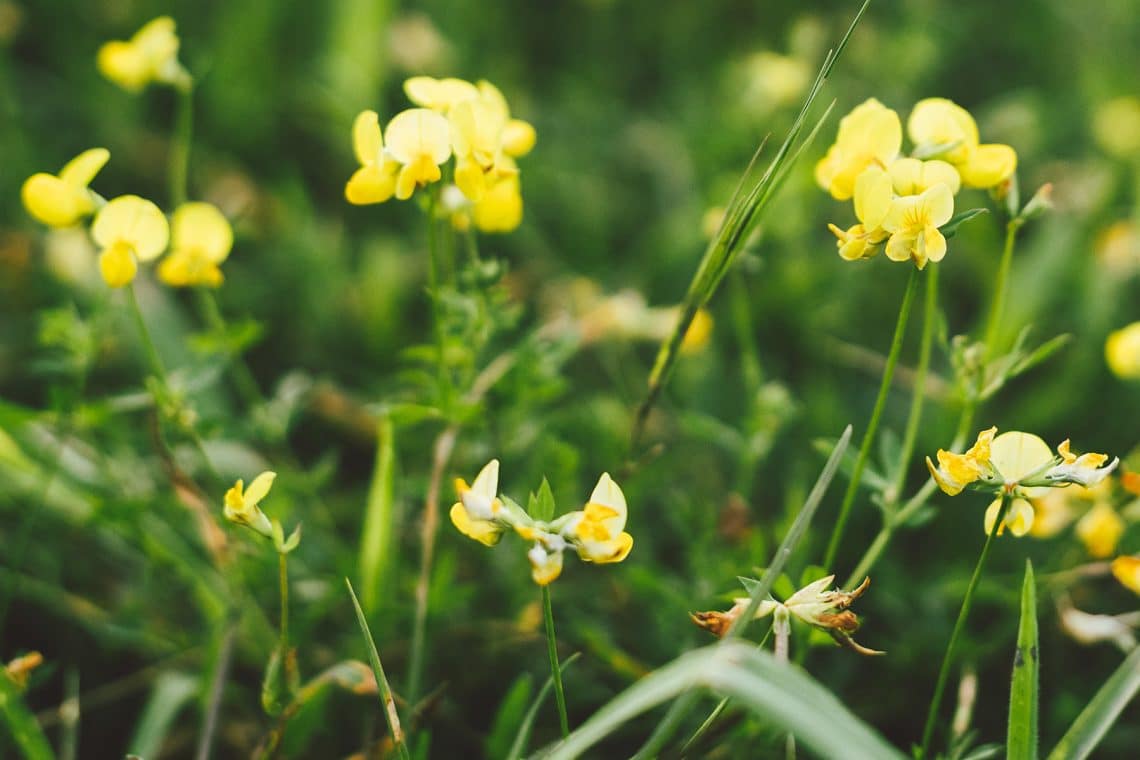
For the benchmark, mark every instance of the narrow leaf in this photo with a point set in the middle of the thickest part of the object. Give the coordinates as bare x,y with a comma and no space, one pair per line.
527,725
543,507
951,227
379,519
172,691
22,728
1101,712
1021,739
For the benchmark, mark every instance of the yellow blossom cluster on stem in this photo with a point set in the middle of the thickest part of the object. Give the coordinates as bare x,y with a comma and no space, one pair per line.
596,532
899,200
130,230
1019,466
456,119
151,55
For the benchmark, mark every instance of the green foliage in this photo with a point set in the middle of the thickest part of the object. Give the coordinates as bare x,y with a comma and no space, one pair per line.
1021,741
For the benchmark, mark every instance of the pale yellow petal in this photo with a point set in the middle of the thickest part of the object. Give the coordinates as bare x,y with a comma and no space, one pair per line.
1020,517
259,488
133,220
203,227
486,483
938,121
501,209
80,170
54,202
370,184
899,247
872,197
1100,530
493,97
117,265
483,531
470,178
938,205
933,244
519,138
989,165
1121,351
123,64
1016,454
416,133
367,140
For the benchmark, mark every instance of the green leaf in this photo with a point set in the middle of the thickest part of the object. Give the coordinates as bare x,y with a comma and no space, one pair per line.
172,691
23,730
379,527
527,724
541,507
951,227
509,715
1021,741
1101,712
784,696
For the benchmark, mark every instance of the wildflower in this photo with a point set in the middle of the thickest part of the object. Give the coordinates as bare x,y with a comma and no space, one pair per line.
439,95
477,513
598,531
826,610
1122,352
546,561
1018,518
500,209
518,136
419,140
870,134
913,222
1127,571
1052,513
62,200
956,471
941,128
872,203
129,229
1085,470
1100,530
911,176
241,506
201,239
375,180
151,55
1116,126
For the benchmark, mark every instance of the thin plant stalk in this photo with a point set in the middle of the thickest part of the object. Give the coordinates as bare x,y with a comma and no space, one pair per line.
179,167
873,425
959,625
240,373
555,669
997,307
283,582
929,317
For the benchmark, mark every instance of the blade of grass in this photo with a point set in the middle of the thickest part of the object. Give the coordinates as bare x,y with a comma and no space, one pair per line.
1021,741
527,725
1101,712
379,519
23,730
171,693
384,689
786,697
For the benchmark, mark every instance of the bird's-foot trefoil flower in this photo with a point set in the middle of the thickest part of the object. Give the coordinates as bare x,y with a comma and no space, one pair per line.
63,200
242,505
597,532
1122,352
129,229
151,55
419,140
200,240
870,134
375,180
1100,530
872,203
913,221
479,513
943,129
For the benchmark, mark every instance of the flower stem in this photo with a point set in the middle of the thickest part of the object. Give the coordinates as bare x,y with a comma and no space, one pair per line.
283,579
180,149
873,425
555,671
963,613
998,306
242,376
155,361
929,316
434,279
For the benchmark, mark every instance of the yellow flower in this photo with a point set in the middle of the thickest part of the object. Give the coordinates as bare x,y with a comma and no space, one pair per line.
1100,530
940,127
151,55
913,177
545,566
375,180
597,531
1052,513
870,134
439,94
1127,571
128,229
1085,470
501,207
1122,352
956,471
61,201
201,239
518,136
241,506
1016,455
1116,127
1019,518
872,203
419,139
477,511
913,222
476,135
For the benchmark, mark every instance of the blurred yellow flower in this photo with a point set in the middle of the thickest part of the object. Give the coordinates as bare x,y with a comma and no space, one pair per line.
870,134
485,138
597,531
61,201
1052,513
128,229
1127,571
545,565
518,137
201,239
419,139
872,203
151,55
913,222
1122,351
1019,518
476,513
242,506
1100,530
375,180
1118,248
1116,127
943,129
501,207
439,94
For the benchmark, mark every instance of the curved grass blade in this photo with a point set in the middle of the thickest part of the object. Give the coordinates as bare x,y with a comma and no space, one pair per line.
1021,738
387,701
23,730
783,695
523,735
1101,712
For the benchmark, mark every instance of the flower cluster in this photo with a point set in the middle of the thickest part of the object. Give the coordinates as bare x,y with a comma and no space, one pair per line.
826,610
1020,465
130,230
454,118
596,532
151,55
904,200
242,506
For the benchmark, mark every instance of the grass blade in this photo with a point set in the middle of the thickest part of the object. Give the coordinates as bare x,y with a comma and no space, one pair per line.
1021,741
523,735
379,519
1101,712
387,701
23,730
172,691
783,695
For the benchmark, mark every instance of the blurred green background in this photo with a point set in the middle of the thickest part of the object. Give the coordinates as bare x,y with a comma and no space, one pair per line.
646,113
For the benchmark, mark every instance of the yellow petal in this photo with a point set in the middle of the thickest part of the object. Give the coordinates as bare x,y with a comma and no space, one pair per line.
1127,571
418,134
608,495
124,64
367,140
202,226
469,177
872,197
117,265
937,205
370,184
1020,517
483,531
476,131
486,483
989,165
135,221
501,209
1017,454
938,121
438,94
54,202
912,177
950,488
1121,351
899,247
933,244
545,566
607,552
259,488
493,97
80,170
1100,530
519,138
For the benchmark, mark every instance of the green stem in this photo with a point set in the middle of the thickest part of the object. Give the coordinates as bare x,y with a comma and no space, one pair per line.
929,316
873,425
998,306
555,671
240,373
434,277
179,170
963,613
283,579
155,361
